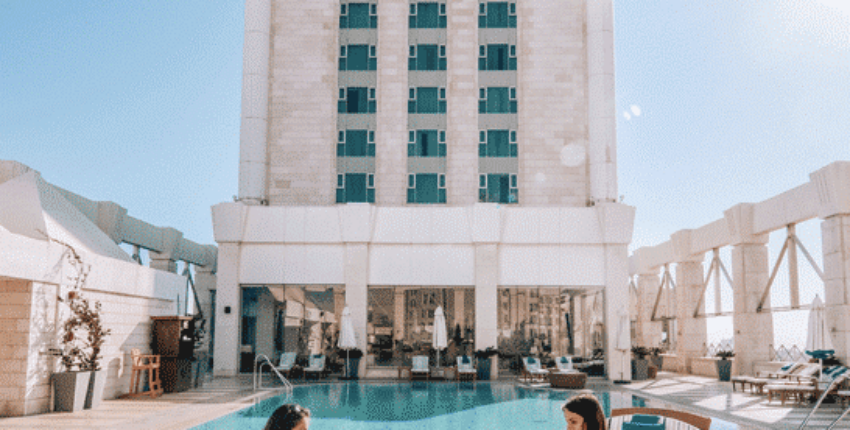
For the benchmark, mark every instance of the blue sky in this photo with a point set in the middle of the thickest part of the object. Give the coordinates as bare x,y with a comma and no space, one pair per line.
139,103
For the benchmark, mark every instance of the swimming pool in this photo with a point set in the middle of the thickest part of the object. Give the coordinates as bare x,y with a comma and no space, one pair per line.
416,405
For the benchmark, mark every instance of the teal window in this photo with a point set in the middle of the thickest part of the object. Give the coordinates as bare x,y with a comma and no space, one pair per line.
498,188
356,100
426,143
497,57
356,143
426,188
427,15
497,100
355,188
497,143
497,15
358,57
358,15
427,57
427,100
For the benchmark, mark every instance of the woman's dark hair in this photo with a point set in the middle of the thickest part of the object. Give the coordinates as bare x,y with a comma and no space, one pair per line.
286,417
588,407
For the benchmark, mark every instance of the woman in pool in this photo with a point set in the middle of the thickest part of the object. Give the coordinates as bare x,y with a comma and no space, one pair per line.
289,417
583,412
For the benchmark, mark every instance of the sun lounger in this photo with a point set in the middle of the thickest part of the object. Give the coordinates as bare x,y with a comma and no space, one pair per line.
465,370
316,367
806,386
564,364
531,370
287,362
788,374
420,367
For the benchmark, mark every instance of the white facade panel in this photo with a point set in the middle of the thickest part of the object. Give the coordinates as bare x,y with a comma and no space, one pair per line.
292,264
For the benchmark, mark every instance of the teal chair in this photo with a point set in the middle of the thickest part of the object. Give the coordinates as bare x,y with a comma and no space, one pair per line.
316,367
465,370
287,362
420,367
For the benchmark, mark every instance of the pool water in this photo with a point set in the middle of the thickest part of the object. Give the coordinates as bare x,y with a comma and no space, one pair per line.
416,405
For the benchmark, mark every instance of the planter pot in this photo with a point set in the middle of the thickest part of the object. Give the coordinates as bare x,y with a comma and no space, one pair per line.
724,369
494,367
656,361
483,369
640,369
69,390
353,368
94,395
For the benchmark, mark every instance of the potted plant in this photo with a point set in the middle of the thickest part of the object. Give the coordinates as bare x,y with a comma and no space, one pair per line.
82,339
486,365
655,357
352,362
724,365
640,365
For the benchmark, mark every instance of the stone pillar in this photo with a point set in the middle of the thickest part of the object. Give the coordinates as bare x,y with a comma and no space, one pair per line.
462,102
617,362
692,332
753,331
648,332
833,192
460,310
228,311
486,297
356,292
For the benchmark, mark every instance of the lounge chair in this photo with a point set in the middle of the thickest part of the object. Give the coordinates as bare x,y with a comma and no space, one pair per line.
808,385
650,418
316,367
564,364
420,367
465,370
763,378
287,362
531,370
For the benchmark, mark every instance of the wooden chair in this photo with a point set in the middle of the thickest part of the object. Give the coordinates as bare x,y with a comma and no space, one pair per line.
141,362
700,422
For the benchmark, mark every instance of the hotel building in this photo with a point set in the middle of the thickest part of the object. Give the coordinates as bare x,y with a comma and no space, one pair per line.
398,155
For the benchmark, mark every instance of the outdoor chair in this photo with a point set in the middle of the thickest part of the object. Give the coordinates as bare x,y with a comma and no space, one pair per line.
287,362
763,378
653,418
145,362
810,385
564,364
420,367
465,370
531,370
316,367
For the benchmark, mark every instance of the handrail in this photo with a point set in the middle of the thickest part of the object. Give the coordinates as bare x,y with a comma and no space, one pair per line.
843,414
258,376
834,382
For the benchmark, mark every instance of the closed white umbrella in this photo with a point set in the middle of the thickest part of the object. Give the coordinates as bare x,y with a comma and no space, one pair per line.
347,340
439,337
818,340
624,339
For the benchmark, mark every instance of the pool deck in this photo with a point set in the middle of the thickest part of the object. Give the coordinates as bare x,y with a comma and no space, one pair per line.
702,395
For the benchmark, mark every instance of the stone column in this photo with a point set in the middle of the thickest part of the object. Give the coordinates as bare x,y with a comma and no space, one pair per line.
617,362
753,331
833,191
486,298
356,293
228,311
691,333
462,103
648,332
398,319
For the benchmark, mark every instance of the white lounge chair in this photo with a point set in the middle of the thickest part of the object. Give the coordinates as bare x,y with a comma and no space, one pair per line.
531,370
317,366
420,367
565,364
465,370
287,361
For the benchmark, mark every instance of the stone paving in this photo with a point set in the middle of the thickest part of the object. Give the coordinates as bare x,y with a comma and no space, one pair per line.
708,396
697,394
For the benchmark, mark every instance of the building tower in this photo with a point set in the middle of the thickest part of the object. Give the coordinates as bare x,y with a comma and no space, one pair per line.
398,150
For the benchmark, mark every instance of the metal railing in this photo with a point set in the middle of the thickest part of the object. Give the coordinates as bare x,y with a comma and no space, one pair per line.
835,382
783,353
262,360
709,350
